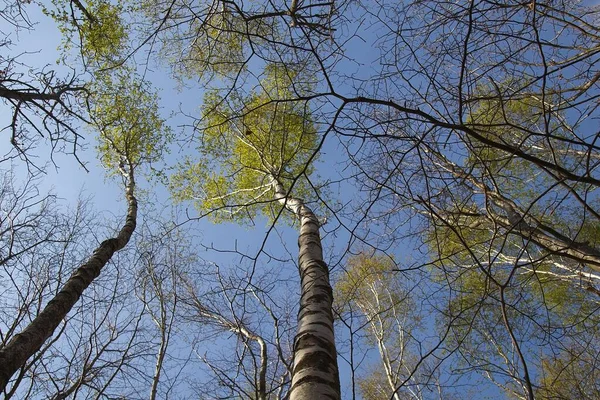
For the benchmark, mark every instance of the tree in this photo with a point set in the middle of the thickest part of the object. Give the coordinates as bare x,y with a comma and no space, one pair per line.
474,135
260,364
369,284
24,344
129,137
470,151
260,156
163,255
41,240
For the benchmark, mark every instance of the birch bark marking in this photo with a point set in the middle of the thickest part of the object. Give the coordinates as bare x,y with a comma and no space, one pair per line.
315,372
24,344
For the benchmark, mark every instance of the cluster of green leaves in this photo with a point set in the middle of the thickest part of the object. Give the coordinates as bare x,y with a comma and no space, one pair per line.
105,36
484,263
366,275
370,285
519,123
375,385
97,29
125,112
537,303
572,374
247,142
123,107
219,40
503,121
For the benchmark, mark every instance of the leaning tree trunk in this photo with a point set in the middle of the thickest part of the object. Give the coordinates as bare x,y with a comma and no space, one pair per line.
23,345
315,372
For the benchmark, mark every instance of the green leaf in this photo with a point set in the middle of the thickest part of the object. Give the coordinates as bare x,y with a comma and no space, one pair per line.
247,141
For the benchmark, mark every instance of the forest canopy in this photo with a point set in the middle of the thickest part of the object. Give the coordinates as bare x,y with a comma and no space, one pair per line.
299,199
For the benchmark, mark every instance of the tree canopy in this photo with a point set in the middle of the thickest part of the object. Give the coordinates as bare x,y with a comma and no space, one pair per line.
436,162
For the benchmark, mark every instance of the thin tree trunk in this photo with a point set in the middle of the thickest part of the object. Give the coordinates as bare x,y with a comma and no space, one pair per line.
23,345
244,333
262,373
165,328
315,372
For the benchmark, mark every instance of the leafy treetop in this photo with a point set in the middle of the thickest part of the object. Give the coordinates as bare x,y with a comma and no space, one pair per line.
248,144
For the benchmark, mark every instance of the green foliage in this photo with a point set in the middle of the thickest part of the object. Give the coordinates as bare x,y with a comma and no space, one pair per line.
581,225
98,28
572,374
246,143
104,37
494,272
375,386
536,304
216,41
458,245
367,275
510,122
371,285
503,122
222,41
122,106
475,236
126,114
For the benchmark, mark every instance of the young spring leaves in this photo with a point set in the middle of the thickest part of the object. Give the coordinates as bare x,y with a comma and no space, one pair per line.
96,27
212,39
257,152
248,144
125,113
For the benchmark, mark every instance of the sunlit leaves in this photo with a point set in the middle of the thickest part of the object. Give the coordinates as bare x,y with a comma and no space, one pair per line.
370,286
504,122
104,37
247,141
218,41
96,28
125,112
573,374
375,385
367,275
221,41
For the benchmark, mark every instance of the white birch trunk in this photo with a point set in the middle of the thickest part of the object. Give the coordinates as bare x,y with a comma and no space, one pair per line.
315,372
24,344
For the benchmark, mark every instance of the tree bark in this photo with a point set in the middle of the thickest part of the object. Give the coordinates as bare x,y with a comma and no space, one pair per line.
23,345
315,372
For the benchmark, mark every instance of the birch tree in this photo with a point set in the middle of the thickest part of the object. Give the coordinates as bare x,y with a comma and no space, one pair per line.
234,307
387,309
258,152
129,135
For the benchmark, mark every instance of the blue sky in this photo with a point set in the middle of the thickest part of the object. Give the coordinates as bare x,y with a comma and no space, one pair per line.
68,179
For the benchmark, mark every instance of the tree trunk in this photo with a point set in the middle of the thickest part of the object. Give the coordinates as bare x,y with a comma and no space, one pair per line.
315,372
23,345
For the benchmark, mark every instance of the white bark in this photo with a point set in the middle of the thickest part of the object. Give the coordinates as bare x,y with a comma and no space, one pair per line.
315,372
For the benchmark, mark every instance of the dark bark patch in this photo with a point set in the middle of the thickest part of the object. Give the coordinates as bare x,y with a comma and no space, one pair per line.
318,380
318,360
308,339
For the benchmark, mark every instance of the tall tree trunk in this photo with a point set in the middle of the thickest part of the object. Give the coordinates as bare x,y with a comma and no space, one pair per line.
315,372
23,345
